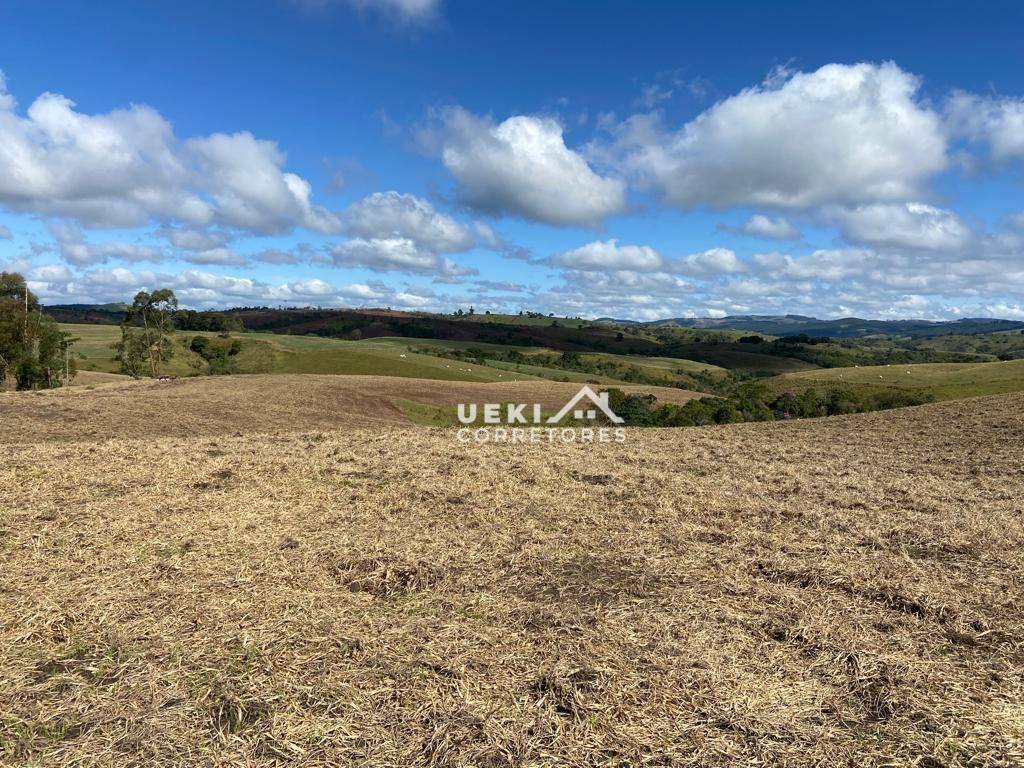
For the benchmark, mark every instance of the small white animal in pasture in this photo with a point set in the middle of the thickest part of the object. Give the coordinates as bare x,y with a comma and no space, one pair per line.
401,355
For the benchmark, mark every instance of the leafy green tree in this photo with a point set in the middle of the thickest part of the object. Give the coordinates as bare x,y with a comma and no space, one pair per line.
132,352
33,348
147,332
751,399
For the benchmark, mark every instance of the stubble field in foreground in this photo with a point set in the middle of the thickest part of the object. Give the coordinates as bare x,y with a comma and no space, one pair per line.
829,592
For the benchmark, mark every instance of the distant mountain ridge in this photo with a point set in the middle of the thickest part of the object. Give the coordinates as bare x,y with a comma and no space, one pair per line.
846,327
771,325
93,314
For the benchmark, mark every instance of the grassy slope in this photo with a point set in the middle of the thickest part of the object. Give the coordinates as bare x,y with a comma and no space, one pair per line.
992,344
519,369
281,353
355,359
844,591
554,374
95,342
404,342
948,381
753,362
660,365
656,366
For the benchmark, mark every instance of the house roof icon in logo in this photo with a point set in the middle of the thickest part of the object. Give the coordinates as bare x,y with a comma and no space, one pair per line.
601,401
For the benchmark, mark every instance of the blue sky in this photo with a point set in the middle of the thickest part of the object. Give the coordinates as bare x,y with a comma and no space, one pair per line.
636,160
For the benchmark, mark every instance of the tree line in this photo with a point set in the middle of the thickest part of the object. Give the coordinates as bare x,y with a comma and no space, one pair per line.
753,401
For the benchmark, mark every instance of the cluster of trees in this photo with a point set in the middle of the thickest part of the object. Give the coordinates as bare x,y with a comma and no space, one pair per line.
147,336
752,401
34,351
147,333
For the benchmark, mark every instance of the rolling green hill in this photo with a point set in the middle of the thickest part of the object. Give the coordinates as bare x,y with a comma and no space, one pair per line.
947,381
394,356
475,360
276,353
992,346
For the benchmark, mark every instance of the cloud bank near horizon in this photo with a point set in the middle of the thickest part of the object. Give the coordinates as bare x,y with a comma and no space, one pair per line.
832,177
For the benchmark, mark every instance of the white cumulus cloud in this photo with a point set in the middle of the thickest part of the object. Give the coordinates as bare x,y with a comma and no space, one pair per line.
850,134
902,225
243,175
396,254
126,167
999,122
74,249
609,255
393,215
523,167
769,228
709,263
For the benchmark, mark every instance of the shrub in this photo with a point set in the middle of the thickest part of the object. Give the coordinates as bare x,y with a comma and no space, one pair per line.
218,353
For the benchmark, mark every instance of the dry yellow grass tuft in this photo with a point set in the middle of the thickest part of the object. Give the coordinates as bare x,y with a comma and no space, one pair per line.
831,592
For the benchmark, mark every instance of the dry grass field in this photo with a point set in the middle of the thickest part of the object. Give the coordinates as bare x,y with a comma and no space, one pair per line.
110,406
837,592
